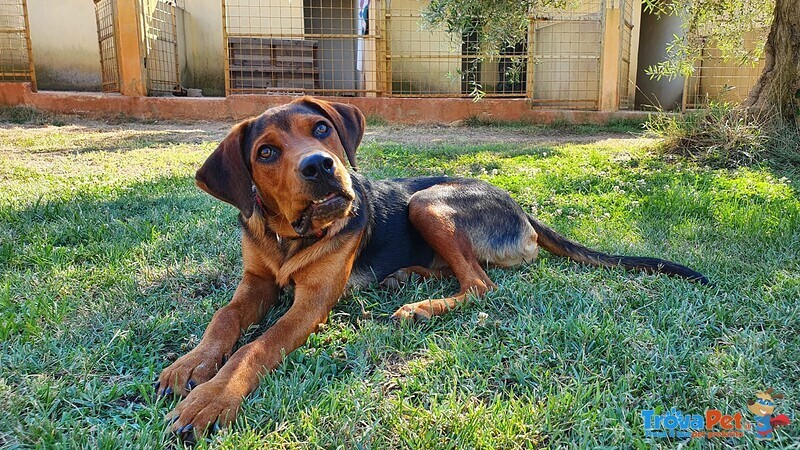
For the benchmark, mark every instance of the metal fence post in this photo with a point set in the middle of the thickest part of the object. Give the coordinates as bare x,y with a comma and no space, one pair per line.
385,64
28,43
531,60
129,45
227,50
609,68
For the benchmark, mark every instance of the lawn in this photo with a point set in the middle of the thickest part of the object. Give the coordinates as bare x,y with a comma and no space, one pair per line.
112,263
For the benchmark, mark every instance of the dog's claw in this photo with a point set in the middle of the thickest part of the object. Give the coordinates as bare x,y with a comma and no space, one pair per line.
187,435
191,384
167,391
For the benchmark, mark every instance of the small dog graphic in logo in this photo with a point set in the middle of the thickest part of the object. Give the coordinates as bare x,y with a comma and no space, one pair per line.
763,409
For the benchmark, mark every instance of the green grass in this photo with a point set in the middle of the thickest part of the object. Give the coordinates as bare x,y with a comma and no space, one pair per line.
112,263
632,125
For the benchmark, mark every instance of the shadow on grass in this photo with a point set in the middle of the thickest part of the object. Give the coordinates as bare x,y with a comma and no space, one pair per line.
83,250
78,140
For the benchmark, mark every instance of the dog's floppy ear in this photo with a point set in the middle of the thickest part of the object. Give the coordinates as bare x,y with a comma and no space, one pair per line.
225,175
348,121
352,130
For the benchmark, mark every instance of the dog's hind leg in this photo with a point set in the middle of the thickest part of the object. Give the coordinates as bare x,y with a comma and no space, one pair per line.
436,221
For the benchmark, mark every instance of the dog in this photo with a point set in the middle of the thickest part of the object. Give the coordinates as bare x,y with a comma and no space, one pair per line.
309,221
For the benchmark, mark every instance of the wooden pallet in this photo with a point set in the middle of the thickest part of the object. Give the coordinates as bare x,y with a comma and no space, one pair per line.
268,64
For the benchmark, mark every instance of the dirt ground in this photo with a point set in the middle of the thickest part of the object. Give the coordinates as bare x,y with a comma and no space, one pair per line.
423,136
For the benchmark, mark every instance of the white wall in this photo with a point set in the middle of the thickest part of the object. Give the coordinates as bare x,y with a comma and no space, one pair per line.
654,35
205,52
64,43
67,56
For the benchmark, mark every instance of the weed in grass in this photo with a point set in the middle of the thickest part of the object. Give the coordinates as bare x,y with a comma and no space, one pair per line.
722,135
28,115
112,263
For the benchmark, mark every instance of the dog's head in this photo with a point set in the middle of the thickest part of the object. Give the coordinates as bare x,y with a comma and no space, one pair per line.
294,156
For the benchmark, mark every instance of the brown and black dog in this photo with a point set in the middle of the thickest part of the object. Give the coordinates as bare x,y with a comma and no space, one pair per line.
309,221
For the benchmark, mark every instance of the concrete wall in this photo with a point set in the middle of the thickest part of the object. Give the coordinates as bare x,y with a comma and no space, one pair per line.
654,35
205,52
64,41
719,80
238,107
182,61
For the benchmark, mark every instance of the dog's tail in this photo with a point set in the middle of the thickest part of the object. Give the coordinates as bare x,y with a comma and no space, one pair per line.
555,243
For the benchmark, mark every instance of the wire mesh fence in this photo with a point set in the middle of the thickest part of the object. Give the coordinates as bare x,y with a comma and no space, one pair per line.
109,68
16,58
383,48
722,79
311,46
158,26
159,20
427,62
626,31
567,50
378,47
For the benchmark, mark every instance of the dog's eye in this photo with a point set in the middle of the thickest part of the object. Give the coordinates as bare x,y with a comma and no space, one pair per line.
322,130
267,152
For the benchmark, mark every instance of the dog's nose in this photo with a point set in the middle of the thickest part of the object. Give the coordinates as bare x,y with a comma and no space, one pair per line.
317,166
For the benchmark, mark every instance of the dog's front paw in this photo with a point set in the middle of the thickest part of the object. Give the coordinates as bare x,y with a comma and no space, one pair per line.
412,312
211,405
189,371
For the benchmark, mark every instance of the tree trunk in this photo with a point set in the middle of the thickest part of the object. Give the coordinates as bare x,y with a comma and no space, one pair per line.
777,90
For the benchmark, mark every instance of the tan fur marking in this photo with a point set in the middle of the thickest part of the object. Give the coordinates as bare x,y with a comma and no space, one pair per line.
312,254
435,223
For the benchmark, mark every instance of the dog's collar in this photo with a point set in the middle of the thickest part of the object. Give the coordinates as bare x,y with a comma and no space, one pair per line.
258,200
257,197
